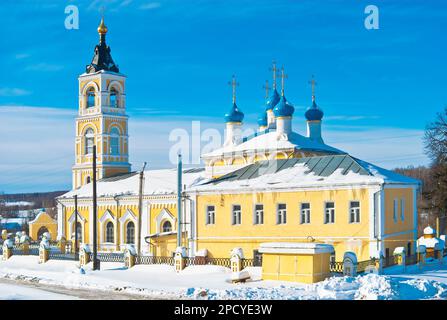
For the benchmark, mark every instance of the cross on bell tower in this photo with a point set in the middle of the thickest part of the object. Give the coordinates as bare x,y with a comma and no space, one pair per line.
313,83
233,83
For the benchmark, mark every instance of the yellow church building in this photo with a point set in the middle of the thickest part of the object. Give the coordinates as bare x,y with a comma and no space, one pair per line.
275,185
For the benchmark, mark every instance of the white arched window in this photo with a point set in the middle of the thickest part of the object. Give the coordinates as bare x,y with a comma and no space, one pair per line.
114,98
109,232
167,227
89,141
130,233
90,97
114,142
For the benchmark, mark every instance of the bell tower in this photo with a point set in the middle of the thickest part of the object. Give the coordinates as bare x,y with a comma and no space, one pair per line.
102,119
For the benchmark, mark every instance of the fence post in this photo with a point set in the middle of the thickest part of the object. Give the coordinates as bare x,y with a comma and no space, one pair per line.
349,264
44,250
129,256
180,259
24,243
84,257
236,260
399,255
62,243
7,248
421,251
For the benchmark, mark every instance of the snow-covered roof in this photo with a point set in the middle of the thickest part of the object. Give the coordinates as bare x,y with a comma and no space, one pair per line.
429,230
272,141
156,182
295,247
330,170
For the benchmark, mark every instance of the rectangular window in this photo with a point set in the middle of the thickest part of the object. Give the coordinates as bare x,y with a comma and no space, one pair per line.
305,213
281,216
354,212
210,215
329,212
236,215
395,209
402,209
259,214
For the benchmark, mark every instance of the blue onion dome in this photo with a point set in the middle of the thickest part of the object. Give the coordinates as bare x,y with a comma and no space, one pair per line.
283,108
314,113
273,101
262,120
234,115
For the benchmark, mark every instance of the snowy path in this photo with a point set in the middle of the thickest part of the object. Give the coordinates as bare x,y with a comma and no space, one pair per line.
9,290
212,282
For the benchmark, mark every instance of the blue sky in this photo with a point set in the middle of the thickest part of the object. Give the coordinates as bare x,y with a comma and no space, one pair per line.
378,88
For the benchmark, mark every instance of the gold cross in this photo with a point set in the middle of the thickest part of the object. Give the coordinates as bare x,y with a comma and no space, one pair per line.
102,10
233,84
283,76
275,73
313,83
267,88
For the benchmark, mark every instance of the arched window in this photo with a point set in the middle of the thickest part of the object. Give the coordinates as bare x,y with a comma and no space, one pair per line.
41,231
130,232
109,232
79,231
167,226
114,142
114,98
88,180
89,141
90,97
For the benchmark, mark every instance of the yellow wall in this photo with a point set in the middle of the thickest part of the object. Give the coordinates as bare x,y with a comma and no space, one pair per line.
295,267
43,220
222,237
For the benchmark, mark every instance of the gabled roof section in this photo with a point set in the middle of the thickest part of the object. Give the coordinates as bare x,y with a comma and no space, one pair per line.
319,171
322,166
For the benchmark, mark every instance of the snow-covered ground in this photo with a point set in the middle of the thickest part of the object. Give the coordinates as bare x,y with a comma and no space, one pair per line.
213,282
19,292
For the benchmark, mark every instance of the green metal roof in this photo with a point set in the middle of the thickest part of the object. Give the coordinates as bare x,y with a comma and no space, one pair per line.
322,166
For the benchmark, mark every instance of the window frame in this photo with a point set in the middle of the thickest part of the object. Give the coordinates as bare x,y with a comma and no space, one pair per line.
114,144
89,136
306,214
91,93
111,236
258,219
330,221
207,215
163,226
357,214
236,215
128,233
281,214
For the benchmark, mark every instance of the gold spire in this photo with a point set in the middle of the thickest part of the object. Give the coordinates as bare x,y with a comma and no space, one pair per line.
283,77
275,73
102,29
267,88
233,84
313,83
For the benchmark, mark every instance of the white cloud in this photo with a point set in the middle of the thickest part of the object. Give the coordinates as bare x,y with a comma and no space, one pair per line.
46,67
40,143
13,92
150,6
20,56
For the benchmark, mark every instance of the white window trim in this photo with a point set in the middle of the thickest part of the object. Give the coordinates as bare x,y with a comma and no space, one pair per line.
355,216
255,214
306,215
283,216
234,221
330,216
206,215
